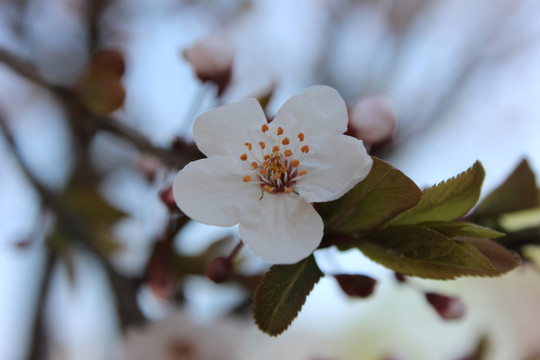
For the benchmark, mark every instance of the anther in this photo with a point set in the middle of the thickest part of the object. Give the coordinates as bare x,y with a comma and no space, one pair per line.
262,144
302,173
264,128
288,152
305,149
276,176
288,190
301,136
247,178
275,149
263,172
266,157
285,141
243,157
279,130
295,163
249,146
254,165
267,188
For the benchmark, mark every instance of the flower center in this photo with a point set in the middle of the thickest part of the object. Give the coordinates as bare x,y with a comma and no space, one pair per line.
277,169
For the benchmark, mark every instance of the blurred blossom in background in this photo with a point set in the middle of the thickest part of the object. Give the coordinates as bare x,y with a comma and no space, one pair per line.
431,86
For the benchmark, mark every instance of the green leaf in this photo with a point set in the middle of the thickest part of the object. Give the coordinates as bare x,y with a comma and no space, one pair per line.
282,293
419,251
446,201
518,192
454,229
383,194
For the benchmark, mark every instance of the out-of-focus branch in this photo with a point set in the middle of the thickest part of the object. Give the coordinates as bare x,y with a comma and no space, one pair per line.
124,291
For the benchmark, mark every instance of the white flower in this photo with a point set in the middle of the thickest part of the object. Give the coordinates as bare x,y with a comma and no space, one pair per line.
264,176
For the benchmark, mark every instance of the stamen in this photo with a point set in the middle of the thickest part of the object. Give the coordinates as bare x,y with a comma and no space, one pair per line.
287,152
285,141
266,157
262,144
302,173
264,128
243,157
275,149
301,136
254,165
305,149
267,188
279,130
295,163
263,171
247,178
249,146
288,190
276,176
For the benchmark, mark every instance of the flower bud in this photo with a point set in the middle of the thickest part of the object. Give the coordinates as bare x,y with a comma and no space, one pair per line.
356,285
449,308
372,120
400,277
212,59
219,270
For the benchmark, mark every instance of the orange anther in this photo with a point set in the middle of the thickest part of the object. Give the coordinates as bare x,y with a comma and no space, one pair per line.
285,141
288,152
247,178
243,157
279,130
288,190
267,188
262,144
301,136
295,163
305,149
275,149
264,128
254,165
302,173
266,157
263,172
276,176
249,146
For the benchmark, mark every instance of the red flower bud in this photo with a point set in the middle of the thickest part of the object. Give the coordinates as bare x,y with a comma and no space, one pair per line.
449,308
356,285
219,270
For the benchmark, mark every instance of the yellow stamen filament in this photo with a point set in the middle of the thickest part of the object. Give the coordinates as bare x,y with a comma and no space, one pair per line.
264,128
285,141
243,157
295,163
305,149
247,178
262,144
302,173
254,165
288,190
249,146
301,136
275,149
267,188
287,152
279,130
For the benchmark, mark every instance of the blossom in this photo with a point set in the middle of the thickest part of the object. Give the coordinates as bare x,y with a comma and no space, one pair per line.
264,176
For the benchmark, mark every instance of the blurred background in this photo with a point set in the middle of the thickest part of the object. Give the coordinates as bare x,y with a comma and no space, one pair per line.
97,99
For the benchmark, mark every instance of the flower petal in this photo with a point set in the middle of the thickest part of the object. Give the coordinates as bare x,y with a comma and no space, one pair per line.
282,228
225,129
333,168
320,111
212,191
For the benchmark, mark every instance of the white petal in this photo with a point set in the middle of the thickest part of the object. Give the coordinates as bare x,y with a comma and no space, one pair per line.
320,111
333,168
212,190
225,129
282,229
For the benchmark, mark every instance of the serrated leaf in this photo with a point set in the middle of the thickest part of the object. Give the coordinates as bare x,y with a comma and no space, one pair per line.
458,228
419,251
282,293
383,194
446,201
518,192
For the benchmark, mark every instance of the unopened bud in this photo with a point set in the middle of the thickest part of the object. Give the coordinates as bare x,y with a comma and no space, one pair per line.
372,120
400,277
449,308
212,59
219,270
356,285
